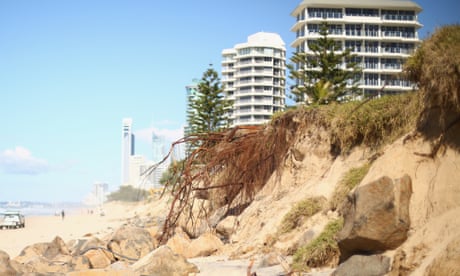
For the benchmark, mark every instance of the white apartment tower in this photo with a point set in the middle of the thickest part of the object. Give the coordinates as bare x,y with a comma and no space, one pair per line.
382,33
127,149
253,76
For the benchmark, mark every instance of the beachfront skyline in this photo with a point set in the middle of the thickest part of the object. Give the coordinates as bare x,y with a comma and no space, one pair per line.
71,71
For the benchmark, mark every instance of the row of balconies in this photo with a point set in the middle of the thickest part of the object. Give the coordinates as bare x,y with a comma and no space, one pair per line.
386,35
249,120
377,51
254,72
359,19
252,82
254,103
255,91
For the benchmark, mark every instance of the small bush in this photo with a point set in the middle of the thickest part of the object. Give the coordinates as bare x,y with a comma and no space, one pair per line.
350,180
374,123
321,251
301,211
128,193
435,67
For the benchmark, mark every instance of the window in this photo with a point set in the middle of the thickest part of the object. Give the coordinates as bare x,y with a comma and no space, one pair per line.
244,51
324,13
371,46
353,29
313,28
390,80
398,15
391,63
361,12
335,29
371,30
353,45
371,79
371,63
391,31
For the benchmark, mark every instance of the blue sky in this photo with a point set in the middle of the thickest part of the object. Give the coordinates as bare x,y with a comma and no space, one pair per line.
70,71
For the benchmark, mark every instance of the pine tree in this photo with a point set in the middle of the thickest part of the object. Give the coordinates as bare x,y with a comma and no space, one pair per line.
208,108
321,77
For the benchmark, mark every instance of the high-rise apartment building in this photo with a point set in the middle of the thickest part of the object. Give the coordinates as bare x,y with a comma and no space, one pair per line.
127,149
159,152
382,34
253,76
192,94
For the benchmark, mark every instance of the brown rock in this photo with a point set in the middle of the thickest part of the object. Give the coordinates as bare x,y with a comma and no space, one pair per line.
376,218
133,242
163,262
358,265
205,245
227,227
97,258
48,250
5,265
103,272
180,243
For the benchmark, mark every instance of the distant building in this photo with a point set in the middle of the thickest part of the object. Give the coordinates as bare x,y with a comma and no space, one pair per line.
382,34
160,149
127,149
100,192
191,95
253,76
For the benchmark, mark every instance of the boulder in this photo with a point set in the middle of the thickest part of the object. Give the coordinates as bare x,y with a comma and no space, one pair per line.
164,262
227,227
103,272
97,258
48,250
180,243
5,266
205,245
50,257
80,246
132,242
155,233
358,265
376,217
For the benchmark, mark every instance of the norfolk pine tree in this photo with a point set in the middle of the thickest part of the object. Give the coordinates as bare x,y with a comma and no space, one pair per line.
207,111
320,75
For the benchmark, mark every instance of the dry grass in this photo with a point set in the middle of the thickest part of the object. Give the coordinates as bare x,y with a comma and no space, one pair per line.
300,212
372,124
435,67
321,251
350,180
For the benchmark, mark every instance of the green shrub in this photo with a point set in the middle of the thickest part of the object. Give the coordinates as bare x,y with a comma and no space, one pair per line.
374,123
321,251
350,180
128,193
301,211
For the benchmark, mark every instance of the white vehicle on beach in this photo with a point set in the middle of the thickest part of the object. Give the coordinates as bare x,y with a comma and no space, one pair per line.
12,219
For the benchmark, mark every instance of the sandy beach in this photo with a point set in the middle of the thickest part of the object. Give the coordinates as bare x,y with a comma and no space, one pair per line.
74,225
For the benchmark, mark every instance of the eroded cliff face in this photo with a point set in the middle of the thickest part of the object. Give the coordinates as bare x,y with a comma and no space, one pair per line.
310,170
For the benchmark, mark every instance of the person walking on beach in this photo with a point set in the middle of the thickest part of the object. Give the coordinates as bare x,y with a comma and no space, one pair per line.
62,214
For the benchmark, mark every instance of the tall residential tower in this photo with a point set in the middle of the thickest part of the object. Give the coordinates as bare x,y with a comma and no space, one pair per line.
382,34
253,76
127,149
